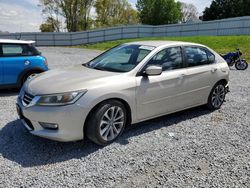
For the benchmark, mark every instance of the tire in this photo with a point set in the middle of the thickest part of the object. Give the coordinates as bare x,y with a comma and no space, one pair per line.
102,127
243,65
217,96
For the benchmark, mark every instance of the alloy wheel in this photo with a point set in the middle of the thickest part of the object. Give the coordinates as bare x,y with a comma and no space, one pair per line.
111,123
218,96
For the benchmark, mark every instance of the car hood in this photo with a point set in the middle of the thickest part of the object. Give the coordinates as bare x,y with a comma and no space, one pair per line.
66,80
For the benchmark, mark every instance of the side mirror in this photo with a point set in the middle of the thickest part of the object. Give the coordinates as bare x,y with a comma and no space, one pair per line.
153,70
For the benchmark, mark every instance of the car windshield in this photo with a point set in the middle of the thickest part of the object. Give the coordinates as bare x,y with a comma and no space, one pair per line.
122,58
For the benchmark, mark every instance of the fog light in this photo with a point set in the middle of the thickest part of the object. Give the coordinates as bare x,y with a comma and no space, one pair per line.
52,126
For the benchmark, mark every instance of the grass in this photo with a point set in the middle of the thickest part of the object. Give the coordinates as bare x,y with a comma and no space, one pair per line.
221,44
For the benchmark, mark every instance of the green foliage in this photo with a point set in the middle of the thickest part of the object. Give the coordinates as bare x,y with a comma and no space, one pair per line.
159,12
51,25
113,13
221,44
75,12
220,9
51,12
46,27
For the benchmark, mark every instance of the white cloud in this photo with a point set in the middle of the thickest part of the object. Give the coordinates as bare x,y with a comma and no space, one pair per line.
16,18
200,4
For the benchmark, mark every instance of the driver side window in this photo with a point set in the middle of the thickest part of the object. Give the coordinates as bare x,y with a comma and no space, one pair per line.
169,59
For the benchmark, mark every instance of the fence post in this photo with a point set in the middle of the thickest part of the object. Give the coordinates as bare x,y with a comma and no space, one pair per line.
242,30
104,35
87,37
36,38
54,39
122,32
70,38
217,29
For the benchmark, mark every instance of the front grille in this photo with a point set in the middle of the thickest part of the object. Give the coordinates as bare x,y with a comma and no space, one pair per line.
27,98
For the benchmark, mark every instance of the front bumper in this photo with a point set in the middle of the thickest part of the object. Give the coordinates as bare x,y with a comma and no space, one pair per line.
227,89
70,120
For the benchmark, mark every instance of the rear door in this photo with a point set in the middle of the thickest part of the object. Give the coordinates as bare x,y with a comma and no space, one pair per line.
201,74
15,59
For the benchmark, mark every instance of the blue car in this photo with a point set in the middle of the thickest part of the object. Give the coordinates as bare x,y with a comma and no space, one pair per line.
19,60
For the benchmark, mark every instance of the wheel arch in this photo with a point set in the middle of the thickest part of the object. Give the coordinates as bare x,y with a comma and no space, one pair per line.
124,102
223,81
26,72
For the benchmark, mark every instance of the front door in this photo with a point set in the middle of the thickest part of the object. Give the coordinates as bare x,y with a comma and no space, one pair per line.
15,60
165,93
1,66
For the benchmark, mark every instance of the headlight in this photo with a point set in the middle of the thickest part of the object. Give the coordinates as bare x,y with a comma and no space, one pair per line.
60,99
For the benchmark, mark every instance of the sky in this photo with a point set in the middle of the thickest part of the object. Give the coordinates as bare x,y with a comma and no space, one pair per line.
25,15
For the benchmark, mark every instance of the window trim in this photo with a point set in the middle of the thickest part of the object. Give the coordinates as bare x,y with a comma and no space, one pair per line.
143,68
201,47
1,51
6,56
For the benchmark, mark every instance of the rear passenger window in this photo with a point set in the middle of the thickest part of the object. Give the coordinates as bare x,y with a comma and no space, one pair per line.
16,50
169,59
198,56
10,49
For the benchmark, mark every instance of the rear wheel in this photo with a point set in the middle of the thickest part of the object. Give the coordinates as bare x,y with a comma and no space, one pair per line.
107,122
217,96
28,76
241,65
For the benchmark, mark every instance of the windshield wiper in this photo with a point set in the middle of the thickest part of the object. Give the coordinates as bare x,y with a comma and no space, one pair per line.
85,64
103,68
98,68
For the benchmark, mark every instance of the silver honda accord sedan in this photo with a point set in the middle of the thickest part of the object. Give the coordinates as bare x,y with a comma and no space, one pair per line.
127,84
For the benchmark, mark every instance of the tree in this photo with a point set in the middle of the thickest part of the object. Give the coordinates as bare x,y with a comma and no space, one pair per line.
50,25
75,12
111,13
85,11
189,11
51,12
159,12
220,9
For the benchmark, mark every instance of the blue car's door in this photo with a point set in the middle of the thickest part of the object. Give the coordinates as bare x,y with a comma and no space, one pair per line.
14,62
1,66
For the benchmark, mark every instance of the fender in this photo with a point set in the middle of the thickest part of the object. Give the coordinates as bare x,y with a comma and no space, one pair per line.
26,71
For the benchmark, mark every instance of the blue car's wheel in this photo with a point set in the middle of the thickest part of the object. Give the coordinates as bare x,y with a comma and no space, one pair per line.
28,76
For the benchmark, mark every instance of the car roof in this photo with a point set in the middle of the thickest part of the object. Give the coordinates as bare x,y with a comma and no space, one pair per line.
159,43
12,41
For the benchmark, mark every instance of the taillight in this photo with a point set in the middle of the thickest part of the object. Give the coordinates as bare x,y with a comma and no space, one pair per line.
46,62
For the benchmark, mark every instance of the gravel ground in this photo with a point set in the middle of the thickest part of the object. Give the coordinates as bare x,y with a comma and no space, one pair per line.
194,148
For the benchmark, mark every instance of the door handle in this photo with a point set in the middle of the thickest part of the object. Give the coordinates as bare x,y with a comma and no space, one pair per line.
181,76
214,70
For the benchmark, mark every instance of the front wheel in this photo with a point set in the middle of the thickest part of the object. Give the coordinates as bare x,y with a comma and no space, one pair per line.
107,122
241,65
217,96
